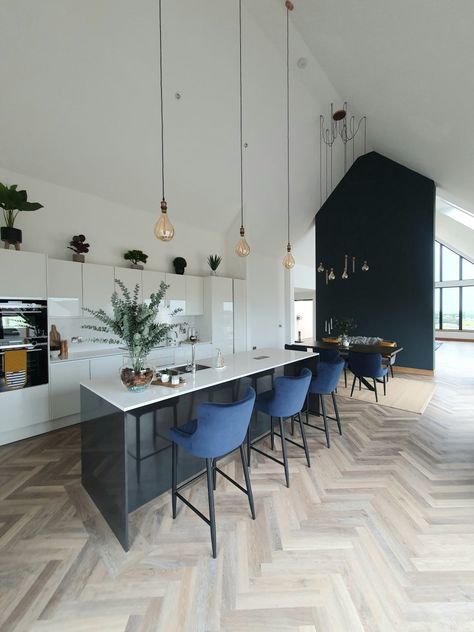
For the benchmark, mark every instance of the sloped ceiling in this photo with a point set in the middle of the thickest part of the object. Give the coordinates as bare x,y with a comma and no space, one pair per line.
408,66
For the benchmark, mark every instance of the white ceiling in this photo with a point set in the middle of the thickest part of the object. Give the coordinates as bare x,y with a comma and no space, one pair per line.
407,65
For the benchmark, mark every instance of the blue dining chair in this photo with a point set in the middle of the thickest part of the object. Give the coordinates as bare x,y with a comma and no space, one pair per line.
325,383
218,430
368,365
284,401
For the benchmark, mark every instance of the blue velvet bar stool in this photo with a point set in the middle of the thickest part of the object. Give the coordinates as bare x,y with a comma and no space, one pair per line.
218,430
325,383
284,401
333,355
368,365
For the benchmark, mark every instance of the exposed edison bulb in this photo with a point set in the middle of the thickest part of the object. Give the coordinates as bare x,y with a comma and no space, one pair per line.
289,260
163,228
331,275
321,267
365,267
242,249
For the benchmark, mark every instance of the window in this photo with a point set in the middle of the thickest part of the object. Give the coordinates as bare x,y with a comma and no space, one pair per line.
454,290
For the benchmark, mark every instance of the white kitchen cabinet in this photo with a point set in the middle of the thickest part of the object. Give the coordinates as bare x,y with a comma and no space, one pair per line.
108,366
129,278
151,281
176,293
218,320
64,288
23,274
194,296
24,407
240,315
65,378
97,286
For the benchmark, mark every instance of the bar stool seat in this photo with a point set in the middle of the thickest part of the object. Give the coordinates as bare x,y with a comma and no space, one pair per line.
218,430
325,383
284,401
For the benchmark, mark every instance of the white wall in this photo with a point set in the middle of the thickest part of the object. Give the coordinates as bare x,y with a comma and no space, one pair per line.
110,228
456,235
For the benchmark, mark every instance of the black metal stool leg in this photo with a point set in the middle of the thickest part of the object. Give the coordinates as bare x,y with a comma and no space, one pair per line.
248,447
212,513
345,378
214,474
292,426
360,384
375,390
174,476
353,384
326,429
248,485
305,443
336,411
391,370
283,449
384,385
272,433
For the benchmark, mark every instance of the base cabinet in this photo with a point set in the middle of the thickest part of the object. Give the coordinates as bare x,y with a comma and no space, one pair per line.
64,382
107,366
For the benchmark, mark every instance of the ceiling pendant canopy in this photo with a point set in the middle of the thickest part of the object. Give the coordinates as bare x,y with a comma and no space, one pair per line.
242,249
164,230
289,260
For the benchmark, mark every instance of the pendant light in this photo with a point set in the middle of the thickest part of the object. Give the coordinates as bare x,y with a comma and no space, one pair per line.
163,228
242,249
289,260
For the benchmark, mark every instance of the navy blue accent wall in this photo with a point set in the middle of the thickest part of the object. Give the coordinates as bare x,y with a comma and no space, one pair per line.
383,212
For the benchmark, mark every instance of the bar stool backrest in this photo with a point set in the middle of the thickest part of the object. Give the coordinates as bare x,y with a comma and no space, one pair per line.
327,377
289,394
221,428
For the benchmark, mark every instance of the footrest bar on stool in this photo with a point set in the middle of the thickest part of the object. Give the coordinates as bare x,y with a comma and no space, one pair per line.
269,456
196,511
231,480
191,481
299,445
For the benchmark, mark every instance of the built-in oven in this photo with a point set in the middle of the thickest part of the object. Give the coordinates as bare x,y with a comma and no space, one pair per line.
24,329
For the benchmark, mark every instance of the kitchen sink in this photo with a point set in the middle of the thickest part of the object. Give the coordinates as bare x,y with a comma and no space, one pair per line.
183,368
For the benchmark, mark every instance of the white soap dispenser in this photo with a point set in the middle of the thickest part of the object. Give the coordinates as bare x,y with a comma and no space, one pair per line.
220,364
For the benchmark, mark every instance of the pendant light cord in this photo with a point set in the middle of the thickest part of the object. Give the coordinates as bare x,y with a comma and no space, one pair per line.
161,109
241,120
288,112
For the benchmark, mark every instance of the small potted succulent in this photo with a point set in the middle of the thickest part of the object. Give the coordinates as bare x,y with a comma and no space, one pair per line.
214,262
13,202
179,264
136,257
79,246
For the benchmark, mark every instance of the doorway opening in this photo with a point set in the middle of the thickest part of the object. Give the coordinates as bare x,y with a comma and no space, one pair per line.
304,315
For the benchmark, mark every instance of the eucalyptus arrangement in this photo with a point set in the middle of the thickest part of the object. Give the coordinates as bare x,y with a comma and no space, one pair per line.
135,325
344,327
214,261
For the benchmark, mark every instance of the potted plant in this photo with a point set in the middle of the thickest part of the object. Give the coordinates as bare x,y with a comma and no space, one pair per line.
134,325
79,246
137,257
344,327
179,264
214,262
13,202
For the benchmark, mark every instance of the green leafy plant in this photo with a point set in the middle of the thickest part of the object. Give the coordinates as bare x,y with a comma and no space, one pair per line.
133,323
13,202
214,262
344,326
135,256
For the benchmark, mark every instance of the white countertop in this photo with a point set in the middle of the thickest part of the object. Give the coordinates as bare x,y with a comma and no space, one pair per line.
238,365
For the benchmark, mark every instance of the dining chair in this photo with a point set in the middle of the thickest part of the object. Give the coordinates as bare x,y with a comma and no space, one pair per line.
368,365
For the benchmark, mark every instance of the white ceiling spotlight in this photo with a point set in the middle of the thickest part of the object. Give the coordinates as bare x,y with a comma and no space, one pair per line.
302,63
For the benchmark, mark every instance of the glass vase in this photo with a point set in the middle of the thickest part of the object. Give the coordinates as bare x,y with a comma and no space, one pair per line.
137,374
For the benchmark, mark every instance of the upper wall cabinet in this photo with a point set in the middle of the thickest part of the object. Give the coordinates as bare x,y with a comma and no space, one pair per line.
22,274
129,278
176,293
97,286
64,288
194,296
240,315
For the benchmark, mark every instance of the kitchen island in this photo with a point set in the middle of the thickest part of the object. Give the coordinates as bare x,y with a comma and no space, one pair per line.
125,450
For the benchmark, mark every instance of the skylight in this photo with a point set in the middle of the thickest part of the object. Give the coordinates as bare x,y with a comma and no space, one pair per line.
456,212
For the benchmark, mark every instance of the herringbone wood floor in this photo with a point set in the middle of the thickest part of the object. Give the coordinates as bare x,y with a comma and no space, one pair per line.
378,535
